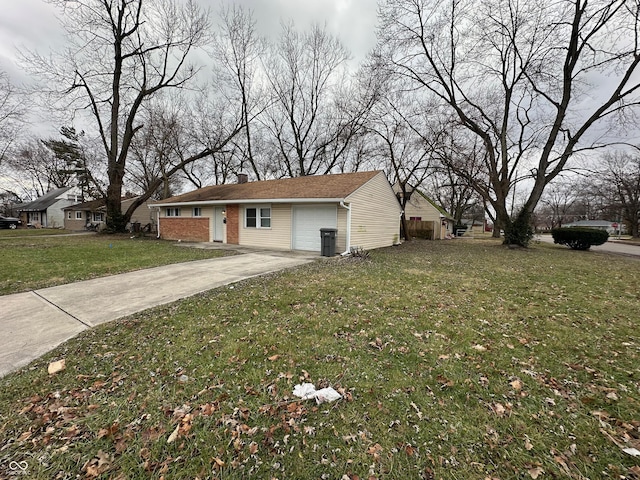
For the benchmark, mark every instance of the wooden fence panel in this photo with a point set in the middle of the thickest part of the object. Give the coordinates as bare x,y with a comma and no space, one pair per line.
420,229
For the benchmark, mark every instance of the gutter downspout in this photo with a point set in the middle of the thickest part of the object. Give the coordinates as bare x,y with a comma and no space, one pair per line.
348,208
158,222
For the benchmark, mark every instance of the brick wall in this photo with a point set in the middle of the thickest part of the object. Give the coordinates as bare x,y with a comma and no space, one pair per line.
233,224
190,229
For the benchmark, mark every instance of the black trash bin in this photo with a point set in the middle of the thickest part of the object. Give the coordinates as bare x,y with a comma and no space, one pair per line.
328,241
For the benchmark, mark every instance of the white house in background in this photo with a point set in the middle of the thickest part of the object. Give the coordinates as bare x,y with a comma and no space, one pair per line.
46,211
287,213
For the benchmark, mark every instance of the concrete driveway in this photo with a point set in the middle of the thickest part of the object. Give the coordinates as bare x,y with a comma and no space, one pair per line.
35,322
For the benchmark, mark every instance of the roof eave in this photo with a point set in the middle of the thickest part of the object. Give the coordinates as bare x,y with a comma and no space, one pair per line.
248,201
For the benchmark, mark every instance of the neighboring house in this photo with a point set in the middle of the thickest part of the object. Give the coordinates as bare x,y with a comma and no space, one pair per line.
474,225
420,208
287,213
77,217
597,224
46,211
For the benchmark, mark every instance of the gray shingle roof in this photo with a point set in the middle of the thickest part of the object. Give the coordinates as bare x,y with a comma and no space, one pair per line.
45,201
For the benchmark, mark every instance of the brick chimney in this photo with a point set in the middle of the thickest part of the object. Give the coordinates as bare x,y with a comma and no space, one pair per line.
243,177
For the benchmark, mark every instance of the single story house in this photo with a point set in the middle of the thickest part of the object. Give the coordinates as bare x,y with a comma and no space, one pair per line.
287,213
93,212
46,211
421,212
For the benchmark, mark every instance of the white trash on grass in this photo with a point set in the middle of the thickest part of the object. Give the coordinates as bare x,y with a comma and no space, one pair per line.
307,391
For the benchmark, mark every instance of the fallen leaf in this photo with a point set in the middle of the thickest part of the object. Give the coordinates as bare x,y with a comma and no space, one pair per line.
273,358
479,348
174,435
97,465
535,472
527,444
374,451
516,385
444,381
55,367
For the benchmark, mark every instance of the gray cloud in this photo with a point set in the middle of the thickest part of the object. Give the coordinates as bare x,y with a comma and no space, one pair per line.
33,24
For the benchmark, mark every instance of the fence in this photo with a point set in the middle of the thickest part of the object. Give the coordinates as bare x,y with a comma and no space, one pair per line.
420,229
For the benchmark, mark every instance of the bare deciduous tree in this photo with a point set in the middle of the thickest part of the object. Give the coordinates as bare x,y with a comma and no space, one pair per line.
405,142
11,115
519,76
617,184
557,205
310,127
38,169
238,51
121,54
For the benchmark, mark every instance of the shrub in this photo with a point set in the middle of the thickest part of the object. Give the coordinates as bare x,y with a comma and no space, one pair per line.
579,238
519,231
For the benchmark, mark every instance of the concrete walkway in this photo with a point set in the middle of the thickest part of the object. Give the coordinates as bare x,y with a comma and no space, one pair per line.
35,322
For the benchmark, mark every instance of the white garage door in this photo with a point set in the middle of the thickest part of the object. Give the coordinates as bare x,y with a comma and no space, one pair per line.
307,222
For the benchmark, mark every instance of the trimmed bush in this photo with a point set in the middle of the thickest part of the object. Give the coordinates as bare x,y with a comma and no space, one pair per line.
579,238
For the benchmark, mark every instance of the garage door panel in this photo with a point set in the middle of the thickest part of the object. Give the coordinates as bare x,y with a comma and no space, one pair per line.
307,222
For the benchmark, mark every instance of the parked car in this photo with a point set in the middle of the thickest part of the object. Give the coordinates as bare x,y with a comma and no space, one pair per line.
9,222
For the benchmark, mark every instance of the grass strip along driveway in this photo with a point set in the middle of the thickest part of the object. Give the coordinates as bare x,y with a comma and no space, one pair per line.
458,359
29,263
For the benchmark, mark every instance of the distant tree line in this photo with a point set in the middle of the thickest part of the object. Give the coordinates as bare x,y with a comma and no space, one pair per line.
472,102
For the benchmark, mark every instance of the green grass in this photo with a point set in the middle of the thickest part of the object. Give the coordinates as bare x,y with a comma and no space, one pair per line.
31,232
35,262
458,360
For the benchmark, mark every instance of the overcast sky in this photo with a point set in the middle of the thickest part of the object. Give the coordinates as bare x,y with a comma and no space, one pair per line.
32,23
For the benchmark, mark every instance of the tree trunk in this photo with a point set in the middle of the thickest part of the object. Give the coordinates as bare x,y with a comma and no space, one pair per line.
116,221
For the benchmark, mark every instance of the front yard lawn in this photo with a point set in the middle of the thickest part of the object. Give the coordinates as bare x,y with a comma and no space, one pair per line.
456,360
29,263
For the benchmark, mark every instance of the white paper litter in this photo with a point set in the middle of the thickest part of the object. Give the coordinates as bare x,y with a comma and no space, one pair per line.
307,391
632,451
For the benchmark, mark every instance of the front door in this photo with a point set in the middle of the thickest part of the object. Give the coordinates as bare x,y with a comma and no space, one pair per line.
218,224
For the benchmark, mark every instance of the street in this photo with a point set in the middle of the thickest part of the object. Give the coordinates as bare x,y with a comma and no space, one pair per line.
609,247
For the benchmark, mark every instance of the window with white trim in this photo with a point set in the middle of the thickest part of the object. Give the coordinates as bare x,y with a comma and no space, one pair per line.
173,212
257,217
78,215
98,217
69,215
197,211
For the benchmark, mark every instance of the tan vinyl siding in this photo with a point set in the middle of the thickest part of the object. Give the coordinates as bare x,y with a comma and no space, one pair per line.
375,214
142,215
418,206
278,236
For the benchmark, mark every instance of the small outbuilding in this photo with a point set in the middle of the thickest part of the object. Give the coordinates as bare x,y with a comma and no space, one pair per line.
425,218
287,213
